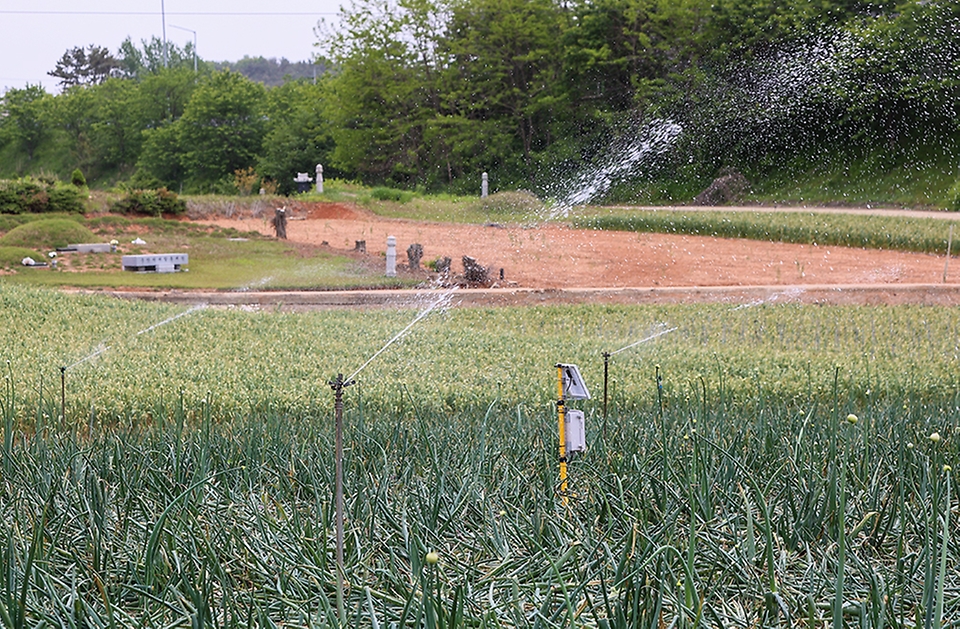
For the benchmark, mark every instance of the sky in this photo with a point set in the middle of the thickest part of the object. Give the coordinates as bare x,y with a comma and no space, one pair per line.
36,33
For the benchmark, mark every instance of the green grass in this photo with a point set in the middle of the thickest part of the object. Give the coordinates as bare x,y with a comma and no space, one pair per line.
441,208
917,177
218,263
719,490
898,233
219,258
12,257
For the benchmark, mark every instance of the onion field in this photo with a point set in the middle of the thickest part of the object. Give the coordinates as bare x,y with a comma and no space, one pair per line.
760,465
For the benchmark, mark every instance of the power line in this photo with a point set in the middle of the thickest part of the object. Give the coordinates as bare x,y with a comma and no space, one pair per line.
184,13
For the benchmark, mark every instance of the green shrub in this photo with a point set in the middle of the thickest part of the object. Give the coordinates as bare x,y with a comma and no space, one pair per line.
952,199
45,234
77,178
9,201
31,195
150,203
520,203
65,199
391,194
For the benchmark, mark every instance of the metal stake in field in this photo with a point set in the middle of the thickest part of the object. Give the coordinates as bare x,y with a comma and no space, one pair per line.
338,384
606,369
63,394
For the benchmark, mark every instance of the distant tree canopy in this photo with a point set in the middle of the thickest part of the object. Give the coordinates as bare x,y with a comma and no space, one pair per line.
430,93
272,72
148,59
22,125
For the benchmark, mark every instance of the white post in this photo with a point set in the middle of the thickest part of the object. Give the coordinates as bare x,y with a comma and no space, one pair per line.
163,20
391,256
484,186
319,179
946,263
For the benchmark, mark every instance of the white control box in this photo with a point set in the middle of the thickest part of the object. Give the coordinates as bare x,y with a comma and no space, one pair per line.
574,431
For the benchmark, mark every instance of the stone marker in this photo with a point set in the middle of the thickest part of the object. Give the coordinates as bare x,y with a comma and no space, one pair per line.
360,246
280,222
442,265
414,254
473,272
484,186
391,256
319,179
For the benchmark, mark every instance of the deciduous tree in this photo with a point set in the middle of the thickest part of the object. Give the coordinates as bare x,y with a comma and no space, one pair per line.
222,127
24,118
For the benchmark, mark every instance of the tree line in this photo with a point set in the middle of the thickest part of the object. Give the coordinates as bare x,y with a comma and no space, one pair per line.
430,93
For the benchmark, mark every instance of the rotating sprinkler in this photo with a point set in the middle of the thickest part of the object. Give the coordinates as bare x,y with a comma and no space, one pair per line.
338,384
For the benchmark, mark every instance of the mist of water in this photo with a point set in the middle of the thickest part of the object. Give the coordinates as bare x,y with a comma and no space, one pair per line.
441,302
791,294
626,156
255,285
789,100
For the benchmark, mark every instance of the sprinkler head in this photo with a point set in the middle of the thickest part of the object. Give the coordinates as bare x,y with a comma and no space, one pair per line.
338,382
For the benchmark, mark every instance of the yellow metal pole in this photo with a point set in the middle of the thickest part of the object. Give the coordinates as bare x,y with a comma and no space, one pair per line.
561,412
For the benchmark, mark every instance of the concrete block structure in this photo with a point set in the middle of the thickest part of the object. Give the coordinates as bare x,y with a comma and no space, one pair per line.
155,262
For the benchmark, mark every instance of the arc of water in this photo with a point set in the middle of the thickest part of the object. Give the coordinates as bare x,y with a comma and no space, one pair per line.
644,340
173,318
444,298
103,348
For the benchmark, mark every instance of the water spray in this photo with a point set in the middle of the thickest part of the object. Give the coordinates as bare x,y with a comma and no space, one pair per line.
649,141
606,365
173,318
102,348
442,300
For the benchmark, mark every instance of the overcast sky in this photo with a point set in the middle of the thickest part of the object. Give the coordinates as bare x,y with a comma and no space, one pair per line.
36,33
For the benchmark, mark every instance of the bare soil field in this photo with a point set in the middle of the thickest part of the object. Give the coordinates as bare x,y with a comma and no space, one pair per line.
586,265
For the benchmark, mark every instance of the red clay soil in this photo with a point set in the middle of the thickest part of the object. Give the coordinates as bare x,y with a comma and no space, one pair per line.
555,257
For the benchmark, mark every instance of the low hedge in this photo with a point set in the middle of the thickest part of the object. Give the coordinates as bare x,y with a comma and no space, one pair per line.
28,195
150,203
